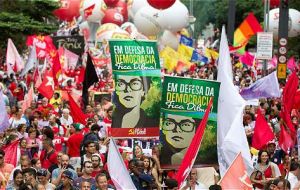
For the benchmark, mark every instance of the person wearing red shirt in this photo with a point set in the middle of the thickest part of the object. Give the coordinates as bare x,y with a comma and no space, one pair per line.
107,120
58,140
45,108
49,155
89,111
73,145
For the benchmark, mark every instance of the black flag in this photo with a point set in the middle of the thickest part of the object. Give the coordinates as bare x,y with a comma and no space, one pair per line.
90,77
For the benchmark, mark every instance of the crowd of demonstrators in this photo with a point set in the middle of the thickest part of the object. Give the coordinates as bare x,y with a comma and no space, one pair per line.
54,152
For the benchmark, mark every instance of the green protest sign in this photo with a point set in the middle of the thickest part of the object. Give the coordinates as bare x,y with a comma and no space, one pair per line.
133,55
184,101
137,95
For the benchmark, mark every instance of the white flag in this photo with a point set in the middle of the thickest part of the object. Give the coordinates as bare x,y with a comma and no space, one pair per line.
117,169
32,60
231,136
14,61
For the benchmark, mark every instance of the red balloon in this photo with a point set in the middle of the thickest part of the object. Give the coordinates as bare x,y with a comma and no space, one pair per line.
273,3
111,3
68,10
113,16
161,4
121,6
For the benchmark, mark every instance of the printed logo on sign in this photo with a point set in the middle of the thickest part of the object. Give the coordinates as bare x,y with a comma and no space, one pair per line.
140,131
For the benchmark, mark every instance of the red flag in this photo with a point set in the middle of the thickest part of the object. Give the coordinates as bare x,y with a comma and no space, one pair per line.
297,100
76,112
43,44
56,68
47,86
288,96
262,132
285,139
236,176
11,153
191,154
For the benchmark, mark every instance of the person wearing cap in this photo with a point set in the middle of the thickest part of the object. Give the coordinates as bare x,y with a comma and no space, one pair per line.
275,155
73,145
67,178
42,178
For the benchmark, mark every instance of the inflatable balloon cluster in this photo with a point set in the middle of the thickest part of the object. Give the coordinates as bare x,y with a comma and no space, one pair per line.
154,16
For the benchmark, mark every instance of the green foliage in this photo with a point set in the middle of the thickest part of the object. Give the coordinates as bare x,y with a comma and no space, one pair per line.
151,104
20,18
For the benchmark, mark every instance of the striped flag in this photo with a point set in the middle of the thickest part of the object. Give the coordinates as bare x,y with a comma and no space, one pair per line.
249,27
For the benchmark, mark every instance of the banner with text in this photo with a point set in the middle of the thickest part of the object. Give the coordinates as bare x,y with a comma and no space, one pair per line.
137,95
73,43
184,101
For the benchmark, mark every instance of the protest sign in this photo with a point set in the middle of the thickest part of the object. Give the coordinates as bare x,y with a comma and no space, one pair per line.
137,95
184,101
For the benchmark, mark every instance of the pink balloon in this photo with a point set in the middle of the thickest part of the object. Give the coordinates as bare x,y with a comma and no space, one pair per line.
113,16
161,4
68,10
111,3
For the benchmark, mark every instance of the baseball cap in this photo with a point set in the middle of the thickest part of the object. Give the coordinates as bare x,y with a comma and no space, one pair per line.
41,172
68,174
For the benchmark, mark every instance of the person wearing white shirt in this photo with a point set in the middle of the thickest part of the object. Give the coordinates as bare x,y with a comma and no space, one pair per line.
192,183
292,175
66,119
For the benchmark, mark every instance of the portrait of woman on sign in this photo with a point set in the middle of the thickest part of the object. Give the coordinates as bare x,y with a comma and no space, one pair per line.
130,92
177,133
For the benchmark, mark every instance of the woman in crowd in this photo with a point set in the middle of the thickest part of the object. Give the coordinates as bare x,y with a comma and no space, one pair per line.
264,172
138,152
36,164
17,180
33,142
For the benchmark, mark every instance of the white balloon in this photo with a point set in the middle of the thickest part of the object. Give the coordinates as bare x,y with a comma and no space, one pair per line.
174,18
111,31
137,5
170,39
294,22
97,12
146,22
294,29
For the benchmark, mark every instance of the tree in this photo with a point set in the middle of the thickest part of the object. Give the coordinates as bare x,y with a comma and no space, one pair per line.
20,18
